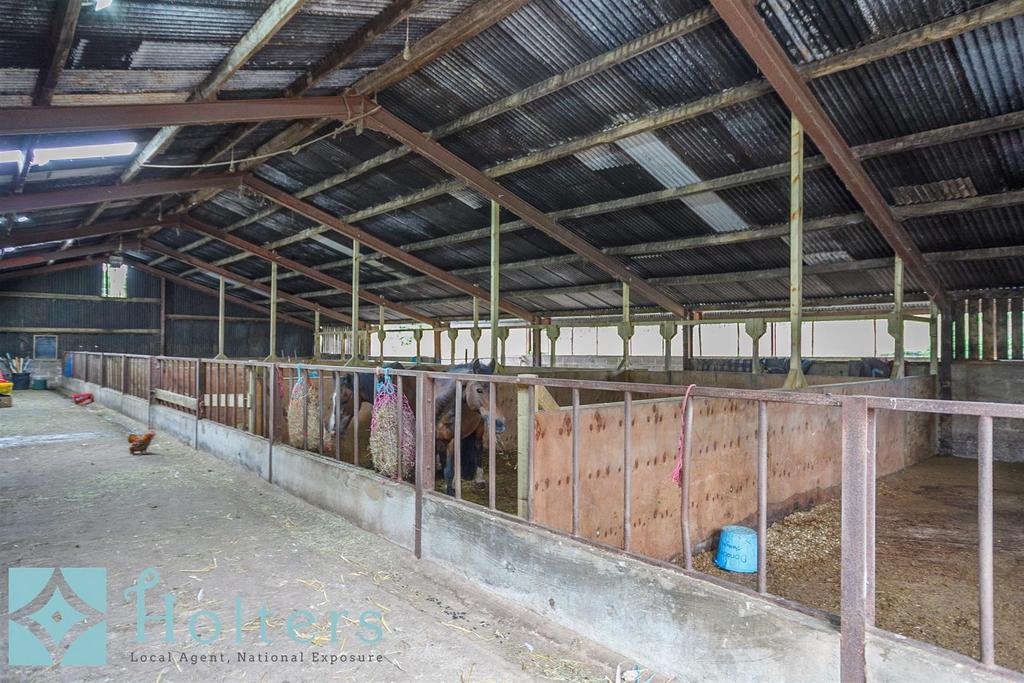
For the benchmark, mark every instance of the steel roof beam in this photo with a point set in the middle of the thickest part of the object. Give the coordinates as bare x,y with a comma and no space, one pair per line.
46,270
752,276
337,58
151,245
753,34
23,238
871,150
930,34
81,196
43,257
31,120
439,274
171,277
302,269
270,22
389,124
62,35
472,21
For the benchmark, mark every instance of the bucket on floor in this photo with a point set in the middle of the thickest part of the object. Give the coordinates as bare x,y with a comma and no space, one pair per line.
21,380
737,550
39,384
6,388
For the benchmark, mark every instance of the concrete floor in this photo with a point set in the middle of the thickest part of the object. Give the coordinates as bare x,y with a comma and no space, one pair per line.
71,495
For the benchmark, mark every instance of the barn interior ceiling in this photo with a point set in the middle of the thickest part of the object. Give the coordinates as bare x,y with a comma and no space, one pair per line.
627,141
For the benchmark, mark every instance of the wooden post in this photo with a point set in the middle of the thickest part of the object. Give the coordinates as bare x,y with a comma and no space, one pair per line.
795,379
688,343
896,320
272,356
1016,327
356,357
535,331
974,325
495,277
220,320
524,424
438,358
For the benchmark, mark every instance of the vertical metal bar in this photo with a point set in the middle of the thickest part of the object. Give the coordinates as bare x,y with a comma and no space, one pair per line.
320,412
896,321
685,494
336,409
271,419
796,379
853,539
1002,337
355,417
272,356
220,318
1016,328
532,401
305,409
762,497
986,606
575,461
199,400
401,428
495,276
627,470
492,460
457,444
355,300
425,446
871,474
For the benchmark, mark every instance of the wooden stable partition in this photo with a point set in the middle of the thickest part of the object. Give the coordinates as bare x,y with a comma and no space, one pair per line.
804,447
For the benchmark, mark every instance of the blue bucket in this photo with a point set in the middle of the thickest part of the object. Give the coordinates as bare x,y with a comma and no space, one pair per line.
737,550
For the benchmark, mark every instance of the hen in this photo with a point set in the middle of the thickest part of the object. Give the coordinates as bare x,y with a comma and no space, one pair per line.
137,444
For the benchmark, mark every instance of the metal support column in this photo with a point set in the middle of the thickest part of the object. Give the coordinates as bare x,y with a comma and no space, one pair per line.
756,327
625,328
896,320
355,301
553,331
537,361
220,320
796,379
495,277
272,356
475,332
668,332
933,340
381,335
316,333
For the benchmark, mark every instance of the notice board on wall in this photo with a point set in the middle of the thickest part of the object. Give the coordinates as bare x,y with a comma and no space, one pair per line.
44,346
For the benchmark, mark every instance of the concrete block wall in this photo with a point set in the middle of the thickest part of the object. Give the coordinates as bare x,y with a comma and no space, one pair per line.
996,381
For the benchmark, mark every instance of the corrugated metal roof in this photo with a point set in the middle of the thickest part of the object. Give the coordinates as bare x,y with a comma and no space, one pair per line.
163,49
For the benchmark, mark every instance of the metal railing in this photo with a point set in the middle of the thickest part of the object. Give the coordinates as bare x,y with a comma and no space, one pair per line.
199,387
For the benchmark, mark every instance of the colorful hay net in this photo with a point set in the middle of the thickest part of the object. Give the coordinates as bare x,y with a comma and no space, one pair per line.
384,446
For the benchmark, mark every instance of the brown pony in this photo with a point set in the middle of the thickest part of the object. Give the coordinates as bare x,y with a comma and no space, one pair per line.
477,413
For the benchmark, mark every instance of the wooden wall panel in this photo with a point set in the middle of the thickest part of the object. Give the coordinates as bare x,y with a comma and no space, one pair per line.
804,458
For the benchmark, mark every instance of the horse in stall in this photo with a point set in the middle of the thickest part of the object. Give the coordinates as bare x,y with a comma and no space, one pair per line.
476,415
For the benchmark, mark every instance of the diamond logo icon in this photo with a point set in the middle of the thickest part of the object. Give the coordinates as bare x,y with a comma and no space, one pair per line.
79,636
